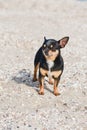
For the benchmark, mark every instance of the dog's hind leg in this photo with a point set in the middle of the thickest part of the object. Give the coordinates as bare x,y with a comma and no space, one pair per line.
37,63
35,72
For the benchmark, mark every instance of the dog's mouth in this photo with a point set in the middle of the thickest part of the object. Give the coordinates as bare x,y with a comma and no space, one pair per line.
50,54
47,53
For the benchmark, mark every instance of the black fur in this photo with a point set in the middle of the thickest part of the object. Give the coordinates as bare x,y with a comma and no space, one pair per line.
40,58
43,55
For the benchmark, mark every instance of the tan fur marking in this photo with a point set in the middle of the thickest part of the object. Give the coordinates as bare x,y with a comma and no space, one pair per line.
56,73
52,55
51,81
43,71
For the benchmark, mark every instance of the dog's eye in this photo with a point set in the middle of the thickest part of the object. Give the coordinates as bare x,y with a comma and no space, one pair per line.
44,45
51,46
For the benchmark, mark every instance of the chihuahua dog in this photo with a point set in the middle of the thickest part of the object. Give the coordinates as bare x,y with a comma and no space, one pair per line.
50,63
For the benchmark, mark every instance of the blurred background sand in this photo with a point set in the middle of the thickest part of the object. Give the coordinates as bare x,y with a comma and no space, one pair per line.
23,25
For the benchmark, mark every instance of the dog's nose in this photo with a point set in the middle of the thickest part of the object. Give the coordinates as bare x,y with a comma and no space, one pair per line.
46,51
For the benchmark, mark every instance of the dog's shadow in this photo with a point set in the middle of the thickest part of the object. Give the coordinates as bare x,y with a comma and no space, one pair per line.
26,77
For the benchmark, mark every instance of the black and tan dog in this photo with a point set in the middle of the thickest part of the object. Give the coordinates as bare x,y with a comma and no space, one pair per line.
50,63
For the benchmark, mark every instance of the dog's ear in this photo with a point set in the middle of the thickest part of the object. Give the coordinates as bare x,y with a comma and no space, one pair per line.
44,38
62,42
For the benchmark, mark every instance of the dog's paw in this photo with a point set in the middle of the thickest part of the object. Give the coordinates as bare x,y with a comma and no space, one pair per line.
56,93
34,80
41,92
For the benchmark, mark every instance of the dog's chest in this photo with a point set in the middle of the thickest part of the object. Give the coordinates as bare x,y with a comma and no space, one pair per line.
50,65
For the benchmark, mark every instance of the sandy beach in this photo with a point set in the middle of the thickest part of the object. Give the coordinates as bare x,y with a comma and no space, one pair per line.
23,25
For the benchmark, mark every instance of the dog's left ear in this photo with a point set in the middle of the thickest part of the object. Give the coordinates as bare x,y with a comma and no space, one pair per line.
44,38
62,42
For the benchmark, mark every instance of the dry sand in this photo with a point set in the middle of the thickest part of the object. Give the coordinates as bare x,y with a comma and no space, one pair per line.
23,24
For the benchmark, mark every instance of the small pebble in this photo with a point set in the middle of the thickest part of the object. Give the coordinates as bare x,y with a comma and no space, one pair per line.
17,126
29,126
65,104
37,110
85,107
84,92
24,123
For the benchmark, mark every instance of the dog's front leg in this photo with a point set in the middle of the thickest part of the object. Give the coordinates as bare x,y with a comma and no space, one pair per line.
56,82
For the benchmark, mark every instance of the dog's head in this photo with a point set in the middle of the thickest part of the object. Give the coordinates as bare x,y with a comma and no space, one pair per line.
51,48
